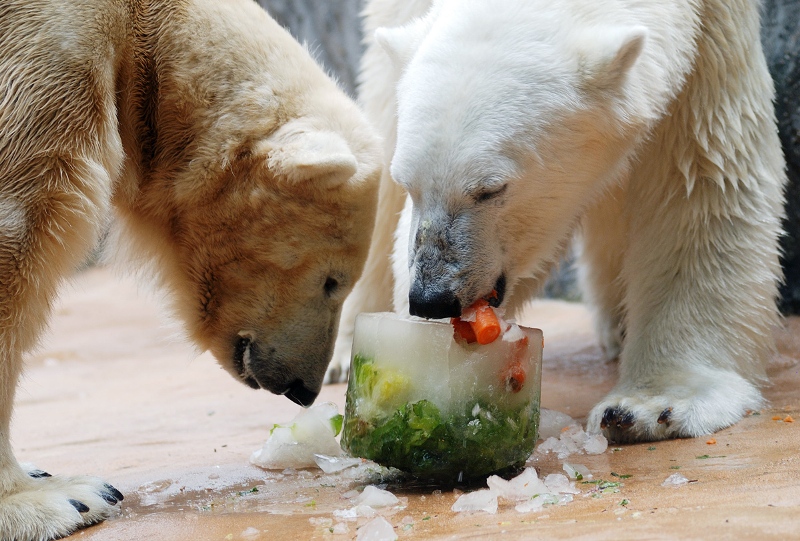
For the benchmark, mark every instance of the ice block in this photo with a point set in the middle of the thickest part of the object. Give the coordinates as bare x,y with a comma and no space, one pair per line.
436,407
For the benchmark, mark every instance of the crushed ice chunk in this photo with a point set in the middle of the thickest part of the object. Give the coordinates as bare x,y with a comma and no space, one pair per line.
340,528
250,532
333,464
674,480
552,422
558,483
536,503
596,444
480,500
524,486
363,510
513,333
345,514
294,444
573,440
527,491
578,472
355,512
376,497
377,529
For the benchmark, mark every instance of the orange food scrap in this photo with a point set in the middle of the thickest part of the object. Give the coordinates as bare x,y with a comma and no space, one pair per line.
463,329
515,375
712,441
484,330
515,378
788,419
777,418
486,325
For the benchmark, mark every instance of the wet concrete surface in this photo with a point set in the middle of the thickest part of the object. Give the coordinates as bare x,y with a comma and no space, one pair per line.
115,392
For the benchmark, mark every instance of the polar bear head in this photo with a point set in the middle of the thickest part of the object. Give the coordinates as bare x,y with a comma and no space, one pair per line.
251,183
509,122
261,243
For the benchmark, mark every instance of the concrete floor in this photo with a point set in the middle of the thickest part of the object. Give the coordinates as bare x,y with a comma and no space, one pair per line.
114,392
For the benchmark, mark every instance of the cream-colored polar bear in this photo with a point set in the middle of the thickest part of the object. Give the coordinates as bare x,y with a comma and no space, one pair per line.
646,128
234,167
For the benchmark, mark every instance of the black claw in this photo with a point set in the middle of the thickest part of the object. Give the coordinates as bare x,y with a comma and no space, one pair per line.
108,497
80,506
626,421
36,474
617,418
665,416
114,492
609,417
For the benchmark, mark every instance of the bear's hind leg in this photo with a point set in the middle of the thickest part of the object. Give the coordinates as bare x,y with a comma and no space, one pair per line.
373,291
601,246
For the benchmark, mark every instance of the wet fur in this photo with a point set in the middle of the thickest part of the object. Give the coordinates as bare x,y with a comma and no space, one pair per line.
227,165
645,130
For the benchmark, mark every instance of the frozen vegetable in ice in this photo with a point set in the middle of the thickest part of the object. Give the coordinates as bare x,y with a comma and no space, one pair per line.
422,400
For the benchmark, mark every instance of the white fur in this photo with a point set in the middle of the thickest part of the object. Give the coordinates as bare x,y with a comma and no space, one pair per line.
40,508
646,128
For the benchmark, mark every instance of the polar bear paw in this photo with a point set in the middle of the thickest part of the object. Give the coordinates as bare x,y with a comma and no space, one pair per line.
44,507
700,404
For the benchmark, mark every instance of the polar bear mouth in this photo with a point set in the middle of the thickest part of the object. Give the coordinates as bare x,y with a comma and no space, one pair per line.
241,361
246,353
496,298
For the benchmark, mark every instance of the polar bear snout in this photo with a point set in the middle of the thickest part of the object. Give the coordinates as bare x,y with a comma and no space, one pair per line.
432,302
440,300
263,370
300,394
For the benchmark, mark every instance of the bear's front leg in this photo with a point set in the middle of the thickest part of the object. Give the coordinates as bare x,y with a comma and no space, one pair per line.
36,506
700,269
699,332
44,234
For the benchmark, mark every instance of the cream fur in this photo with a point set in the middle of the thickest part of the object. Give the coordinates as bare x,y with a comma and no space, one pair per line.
644,128
229,166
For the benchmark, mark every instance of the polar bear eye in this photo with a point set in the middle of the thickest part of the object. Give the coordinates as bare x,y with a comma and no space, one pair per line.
486,195
331,285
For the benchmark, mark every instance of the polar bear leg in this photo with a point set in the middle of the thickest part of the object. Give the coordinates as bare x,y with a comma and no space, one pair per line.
699,301
600,246
56,176
46,232
373,291
42,507
400,263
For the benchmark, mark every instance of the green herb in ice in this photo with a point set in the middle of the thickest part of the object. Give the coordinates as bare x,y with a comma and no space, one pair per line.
416,437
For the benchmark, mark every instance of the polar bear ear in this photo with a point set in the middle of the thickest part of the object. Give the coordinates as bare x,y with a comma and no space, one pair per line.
401,42
296,156
396,43
610,53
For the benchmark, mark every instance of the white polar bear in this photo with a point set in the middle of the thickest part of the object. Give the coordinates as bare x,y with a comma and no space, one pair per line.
646,129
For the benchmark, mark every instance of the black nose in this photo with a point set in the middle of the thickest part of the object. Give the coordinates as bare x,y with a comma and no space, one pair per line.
433,304
300,394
